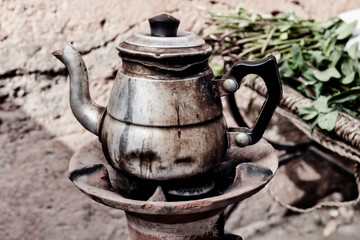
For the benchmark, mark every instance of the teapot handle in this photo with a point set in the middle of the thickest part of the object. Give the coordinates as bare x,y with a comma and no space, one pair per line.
268,71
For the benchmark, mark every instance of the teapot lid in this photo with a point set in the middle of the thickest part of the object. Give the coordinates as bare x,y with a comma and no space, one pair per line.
164,47
164,34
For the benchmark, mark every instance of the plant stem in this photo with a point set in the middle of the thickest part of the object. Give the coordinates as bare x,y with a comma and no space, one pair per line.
249,50
268,40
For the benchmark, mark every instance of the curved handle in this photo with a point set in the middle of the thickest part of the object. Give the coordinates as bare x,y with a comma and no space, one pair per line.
268,71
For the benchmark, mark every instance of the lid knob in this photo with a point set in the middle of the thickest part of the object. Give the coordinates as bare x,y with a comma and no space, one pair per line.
164,25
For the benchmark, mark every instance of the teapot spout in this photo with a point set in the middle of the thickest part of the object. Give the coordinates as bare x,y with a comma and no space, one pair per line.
88,113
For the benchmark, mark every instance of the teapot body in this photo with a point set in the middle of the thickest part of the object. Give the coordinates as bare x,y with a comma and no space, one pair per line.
162,127
164,118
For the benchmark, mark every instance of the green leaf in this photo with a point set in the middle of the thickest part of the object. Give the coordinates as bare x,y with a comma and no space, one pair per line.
317,58
218,70
345,30
329,45
348,67
353,50
327,23
305,109
349,98
243,24
348,79
308,76
310,116
254,17
348,95
351,112
266,15
327,121
325,75
318,88
285,70
285,27
321,104
313,125
335,56
293,18
297,58
284,36
305,90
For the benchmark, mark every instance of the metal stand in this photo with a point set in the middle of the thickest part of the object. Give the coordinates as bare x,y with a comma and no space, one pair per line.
156,218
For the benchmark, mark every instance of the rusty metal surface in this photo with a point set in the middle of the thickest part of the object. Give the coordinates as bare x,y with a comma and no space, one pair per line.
253,161
165,228
156,218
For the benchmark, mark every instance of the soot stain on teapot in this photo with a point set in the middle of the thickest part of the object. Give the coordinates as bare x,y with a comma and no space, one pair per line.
145,157
186,160
124,140
131,93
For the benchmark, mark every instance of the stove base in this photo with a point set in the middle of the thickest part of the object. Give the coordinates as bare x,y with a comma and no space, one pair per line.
243,173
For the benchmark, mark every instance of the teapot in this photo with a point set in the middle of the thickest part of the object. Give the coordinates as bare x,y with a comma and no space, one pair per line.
164,119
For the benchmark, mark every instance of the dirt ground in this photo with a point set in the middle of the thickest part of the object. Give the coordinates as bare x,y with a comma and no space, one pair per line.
38,133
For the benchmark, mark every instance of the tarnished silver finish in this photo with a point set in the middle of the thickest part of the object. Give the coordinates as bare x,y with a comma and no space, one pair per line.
156,218
164,117
144,101
222,88
87,112
230,85
165,159
164,153
177,60
238,137
182,40
242,139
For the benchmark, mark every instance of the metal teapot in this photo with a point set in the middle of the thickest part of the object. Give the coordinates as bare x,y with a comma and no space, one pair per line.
164,119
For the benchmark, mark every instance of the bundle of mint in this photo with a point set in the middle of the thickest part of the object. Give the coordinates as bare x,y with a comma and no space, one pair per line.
312,58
